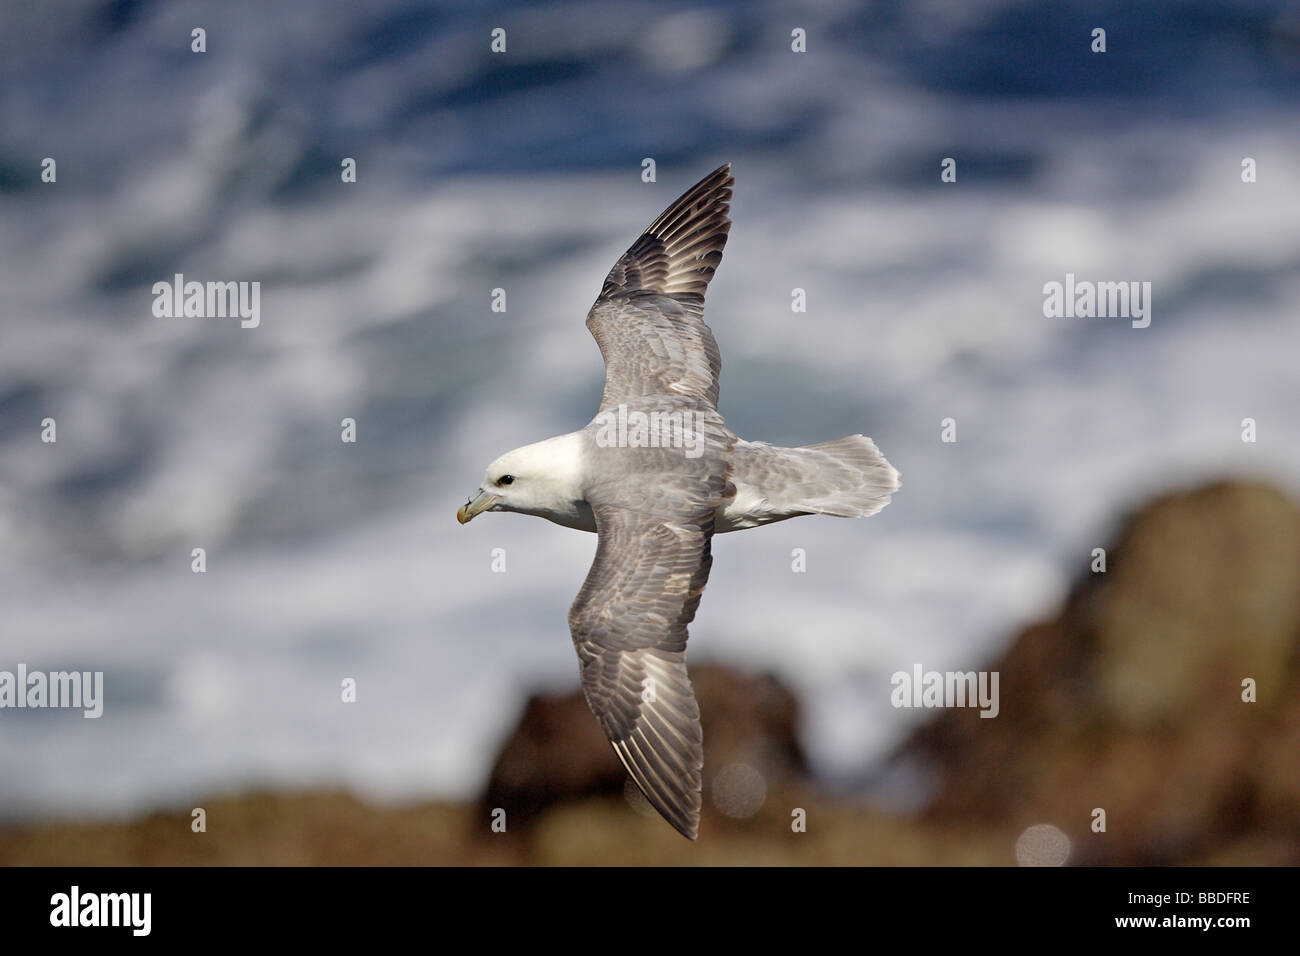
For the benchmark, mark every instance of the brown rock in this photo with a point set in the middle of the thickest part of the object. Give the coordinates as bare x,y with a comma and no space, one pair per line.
1130,700
557,752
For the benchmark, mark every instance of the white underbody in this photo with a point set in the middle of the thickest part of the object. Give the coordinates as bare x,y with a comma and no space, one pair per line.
747,509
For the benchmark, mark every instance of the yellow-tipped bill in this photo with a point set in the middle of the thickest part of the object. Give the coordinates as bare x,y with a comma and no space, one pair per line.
481,501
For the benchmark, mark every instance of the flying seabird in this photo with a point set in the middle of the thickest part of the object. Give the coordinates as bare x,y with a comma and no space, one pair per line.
655,475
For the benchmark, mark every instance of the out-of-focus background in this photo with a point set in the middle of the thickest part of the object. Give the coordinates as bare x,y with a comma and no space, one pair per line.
522,171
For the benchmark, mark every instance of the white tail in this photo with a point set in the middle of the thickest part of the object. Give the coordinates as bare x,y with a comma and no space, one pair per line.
853,478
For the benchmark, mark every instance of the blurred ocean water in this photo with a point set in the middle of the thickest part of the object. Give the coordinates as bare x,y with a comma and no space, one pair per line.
522,171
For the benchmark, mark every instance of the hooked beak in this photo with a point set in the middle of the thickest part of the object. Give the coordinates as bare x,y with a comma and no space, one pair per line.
481,501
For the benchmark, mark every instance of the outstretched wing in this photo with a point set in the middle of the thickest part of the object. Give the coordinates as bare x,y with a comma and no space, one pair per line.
629,627
649,317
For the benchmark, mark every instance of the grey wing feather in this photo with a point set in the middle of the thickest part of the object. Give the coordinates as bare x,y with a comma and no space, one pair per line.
629,628
649,317
654,507
654,512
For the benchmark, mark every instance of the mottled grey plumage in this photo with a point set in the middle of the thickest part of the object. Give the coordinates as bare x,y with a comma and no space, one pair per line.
656,509
649,318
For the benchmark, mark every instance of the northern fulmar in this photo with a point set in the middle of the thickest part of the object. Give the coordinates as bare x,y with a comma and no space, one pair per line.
655,475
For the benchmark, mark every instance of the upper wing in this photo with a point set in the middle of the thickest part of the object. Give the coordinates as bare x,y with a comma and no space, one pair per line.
649,317
629,627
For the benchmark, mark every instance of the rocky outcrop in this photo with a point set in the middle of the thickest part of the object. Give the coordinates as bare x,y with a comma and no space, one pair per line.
1131,699
557,752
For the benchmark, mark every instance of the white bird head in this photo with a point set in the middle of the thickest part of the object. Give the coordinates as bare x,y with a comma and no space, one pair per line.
540,479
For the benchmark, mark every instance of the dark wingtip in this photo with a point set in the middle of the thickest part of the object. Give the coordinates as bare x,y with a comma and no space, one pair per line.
720,176
679,252
688,827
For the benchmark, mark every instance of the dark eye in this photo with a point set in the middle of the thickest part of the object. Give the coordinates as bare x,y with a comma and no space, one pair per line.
506,480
